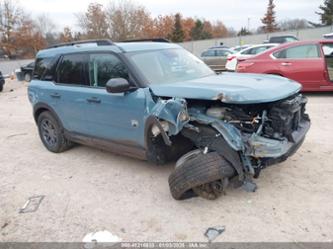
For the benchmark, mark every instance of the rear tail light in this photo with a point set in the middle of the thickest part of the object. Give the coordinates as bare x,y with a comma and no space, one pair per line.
244,65
230,58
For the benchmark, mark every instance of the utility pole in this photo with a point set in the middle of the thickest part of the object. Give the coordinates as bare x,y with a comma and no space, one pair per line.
248,23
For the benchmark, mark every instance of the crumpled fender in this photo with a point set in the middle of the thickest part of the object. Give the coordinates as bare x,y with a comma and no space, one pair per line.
230,133
174,111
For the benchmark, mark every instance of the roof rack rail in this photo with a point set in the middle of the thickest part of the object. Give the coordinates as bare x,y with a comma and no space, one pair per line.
149,40
101,42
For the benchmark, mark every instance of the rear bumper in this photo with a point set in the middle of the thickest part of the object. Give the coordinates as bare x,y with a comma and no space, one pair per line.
272,151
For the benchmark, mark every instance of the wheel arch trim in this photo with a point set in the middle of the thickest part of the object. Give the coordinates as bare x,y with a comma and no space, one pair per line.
41,107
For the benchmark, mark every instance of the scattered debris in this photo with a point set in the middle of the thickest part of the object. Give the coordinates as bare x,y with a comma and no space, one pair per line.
249,186
15,135
32,204
101,237
213,232
4,225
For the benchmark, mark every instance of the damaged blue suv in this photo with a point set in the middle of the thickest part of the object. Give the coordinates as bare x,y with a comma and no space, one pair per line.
153,100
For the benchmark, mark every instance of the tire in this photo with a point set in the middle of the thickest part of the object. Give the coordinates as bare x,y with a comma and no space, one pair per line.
1,87
51,133
198,171
27,77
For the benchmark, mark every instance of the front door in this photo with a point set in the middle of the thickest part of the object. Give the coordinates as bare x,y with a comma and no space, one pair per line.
113,116
304,64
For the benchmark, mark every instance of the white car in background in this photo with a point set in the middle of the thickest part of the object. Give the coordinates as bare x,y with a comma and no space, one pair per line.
236,49
246,53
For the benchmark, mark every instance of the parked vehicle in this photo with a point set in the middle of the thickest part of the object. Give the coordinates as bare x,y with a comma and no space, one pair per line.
216,58
236,49
158,102
249,52
282,39
27,71
308,62
2,82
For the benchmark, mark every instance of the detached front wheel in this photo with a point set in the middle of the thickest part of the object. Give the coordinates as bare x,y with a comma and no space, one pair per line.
204,175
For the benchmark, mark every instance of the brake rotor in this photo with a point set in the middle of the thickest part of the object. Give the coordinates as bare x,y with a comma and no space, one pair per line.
212,190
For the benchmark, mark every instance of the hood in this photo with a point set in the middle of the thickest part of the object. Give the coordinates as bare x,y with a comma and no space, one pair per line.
233,88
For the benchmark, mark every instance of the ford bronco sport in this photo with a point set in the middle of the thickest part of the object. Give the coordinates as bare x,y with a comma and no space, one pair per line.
156,101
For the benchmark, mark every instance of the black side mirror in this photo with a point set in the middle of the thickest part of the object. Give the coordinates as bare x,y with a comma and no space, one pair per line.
118,85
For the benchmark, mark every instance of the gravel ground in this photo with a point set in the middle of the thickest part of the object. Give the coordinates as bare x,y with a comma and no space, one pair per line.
89,190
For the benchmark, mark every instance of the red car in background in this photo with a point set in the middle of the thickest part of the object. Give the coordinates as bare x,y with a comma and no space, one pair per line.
308,62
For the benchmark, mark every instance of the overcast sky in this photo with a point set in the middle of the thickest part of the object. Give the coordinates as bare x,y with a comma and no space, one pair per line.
234,13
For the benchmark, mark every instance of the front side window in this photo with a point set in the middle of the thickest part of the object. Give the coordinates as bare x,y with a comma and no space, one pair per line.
103,67
72,69
299,52
169,66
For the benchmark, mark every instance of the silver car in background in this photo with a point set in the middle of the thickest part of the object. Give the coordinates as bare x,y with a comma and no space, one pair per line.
216,57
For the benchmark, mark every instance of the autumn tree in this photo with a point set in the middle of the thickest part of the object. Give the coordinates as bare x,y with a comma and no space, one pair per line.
200,31
94,22
219,30
66,35
162,27
326,12
46,27
269,18
127,20
28,39
243,32
10,21
187,25
177,32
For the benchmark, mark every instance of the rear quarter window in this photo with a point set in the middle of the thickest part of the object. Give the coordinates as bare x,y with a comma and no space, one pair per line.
43,67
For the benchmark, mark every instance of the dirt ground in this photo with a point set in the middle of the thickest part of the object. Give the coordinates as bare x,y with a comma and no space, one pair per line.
88,190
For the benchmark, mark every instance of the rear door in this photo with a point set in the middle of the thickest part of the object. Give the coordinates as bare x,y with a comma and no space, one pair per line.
302,63
72,90
327,50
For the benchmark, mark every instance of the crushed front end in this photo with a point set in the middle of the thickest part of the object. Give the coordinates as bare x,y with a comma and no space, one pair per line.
261,134
222,142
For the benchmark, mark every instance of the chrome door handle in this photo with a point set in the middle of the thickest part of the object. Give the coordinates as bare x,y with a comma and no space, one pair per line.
94,100
286,64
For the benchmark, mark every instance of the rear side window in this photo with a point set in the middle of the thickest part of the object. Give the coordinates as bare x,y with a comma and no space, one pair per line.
208,53
73,69
299,52
42,65
103,67
223,53
328,49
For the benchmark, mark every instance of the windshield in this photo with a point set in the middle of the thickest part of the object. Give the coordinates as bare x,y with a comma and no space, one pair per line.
169,66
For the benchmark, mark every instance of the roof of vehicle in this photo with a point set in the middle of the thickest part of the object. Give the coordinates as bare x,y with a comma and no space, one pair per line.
288,45
218,48
223,46
281,36
297,43
257,46
121,47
